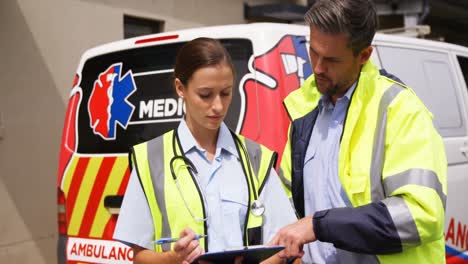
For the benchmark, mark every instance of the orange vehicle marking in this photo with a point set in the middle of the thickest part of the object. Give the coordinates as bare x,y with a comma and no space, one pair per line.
102,216
110,226
96,195
83,195
75,184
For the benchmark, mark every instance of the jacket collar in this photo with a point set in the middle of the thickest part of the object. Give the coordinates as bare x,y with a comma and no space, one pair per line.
303,100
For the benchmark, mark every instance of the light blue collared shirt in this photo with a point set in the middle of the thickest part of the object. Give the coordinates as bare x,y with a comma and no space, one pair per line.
226,207
322,186
226,194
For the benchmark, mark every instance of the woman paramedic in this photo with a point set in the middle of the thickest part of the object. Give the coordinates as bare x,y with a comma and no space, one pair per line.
201,182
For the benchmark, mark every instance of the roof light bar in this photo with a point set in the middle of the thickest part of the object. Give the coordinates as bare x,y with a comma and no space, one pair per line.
154,39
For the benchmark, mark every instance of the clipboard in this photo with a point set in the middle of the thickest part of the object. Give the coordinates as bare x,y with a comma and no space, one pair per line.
250,254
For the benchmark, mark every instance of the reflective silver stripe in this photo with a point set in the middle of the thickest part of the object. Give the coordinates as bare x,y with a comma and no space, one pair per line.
426,178
378,152
283,179
156,165
348,257
291,201
255,154
399,211
403,220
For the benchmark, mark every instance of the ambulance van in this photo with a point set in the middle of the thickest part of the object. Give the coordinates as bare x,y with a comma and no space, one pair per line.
122,95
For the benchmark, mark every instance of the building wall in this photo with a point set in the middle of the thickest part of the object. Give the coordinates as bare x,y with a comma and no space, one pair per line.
40,47
31,112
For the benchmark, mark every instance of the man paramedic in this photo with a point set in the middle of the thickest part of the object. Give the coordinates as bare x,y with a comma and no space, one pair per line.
365,166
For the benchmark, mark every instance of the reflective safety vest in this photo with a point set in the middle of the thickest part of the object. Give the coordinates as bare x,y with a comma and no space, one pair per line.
390,156
170,209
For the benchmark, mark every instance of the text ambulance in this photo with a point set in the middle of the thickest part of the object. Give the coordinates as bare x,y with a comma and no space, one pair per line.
122,95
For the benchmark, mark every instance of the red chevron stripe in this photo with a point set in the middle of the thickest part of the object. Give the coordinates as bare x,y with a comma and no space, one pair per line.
75,186
110,226
123,185
96,196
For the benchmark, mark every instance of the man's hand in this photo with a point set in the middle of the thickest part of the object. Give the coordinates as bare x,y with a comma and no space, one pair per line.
187,248
293,237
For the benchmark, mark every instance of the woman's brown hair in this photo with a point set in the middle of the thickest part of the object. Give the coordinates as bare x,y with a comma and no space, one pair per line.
200,53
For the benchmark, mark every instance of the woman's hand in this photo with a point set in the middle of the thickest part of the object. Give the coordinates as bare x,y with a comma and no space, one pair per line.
187,248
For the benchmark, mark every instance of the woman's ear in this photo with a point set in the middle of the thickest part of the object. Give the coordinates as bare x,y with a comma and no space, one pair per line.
179,87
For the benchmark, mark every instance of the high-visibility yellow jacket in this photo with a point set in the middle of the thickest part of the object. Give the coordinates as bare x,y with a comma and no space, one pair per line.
391,164
152,161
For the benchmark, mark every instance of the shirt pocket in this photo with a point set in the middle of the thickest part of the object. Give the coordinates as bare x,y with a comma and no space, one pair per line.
234,206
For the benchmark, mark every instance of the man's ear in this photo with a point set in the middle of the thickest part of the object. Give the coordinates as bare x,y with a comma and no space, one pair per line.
179,87
365,54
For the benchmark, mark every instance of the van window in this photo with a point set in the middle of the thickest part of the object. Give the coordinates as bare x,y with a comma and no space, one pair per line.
430,75
463,61
137,26
148,110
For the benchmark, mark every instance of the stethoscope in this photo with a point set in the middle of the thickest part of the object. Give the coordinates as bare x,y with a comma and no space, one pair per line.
257,208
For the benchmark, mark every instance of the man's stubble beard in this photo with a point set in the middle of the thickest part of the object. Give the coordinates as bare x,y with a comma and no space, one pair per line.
330,92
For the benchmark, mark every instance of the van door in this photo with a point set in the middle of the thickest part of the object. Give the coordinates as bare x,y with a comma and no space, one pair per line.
457,215
436,78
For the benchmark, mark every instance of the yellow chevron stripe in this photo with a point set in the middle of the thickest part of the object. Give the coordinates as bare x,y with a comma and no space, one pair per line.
83,195
69,175
112,186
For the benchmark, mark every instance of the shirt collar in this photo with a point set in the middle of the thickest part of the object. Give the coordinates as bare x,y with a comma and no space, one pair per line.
326,102
225,140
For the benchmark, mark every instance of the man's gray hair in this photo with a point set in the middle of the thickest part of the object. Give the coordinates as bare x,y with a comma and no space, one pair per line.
355,18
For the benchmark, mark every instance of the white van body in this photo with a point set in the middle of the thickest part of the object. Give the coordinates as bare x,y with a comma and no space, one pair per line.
271,60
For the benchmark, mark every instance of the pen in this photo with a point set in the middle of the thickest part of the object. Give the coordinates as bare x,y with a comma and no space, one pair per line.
165,240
